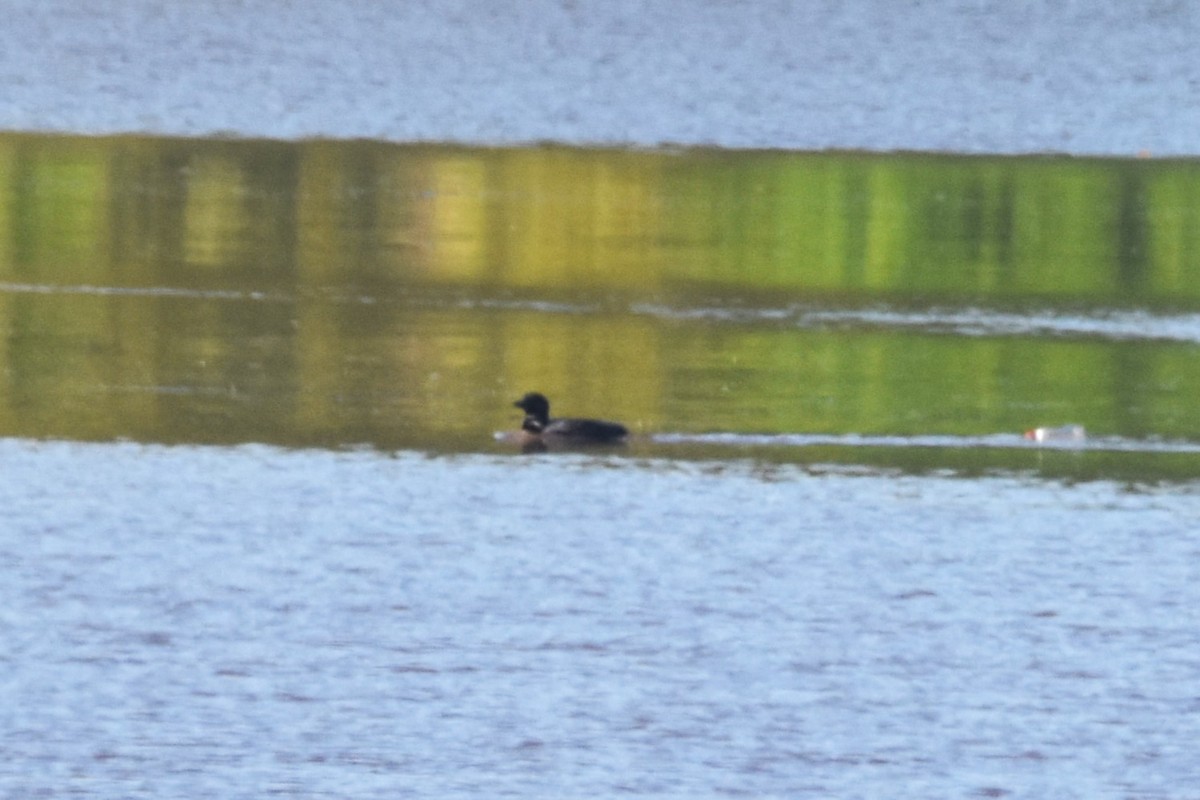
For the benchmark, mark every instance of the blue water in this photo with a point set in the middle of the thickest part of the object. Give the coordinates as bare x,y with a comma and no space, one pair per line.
240,622
1099,77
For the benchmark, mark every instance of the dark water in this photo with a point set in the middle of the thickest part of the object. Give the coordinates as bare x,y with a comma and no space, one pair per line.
259,536
401,297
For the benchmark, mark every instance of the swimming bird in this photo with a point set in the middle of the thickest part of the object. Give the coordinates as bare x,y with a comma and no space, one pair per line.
539,431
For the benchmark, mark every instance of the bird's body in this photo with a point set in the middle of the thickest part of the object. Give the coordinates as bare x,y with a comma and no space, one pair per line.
539,431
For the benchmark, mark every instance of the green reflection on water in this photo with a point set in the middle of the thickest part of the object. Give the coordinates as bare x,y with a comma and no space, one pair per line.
359,292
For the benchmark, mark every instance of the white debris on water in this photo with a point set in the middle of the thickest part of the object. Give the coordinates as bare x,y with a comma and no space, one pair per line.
1065,434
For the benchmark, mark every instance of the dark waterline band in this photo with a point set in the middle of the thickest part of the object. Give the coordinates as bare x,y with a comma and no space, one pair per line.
994,441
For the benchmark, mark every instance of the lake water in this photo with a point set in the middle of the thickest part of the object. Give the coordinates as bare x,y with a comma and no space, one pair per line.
240,622
1098,77
401,297
260,536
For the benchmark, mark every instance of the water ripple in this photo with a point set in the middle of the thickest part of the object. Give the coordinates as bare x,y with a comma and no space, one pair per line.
1100,323
994,441
969,321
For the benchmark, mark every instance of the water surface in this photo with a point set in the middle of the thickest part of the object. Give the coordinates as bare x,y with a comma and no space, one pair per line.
204,622
1107,76
401,297
259,536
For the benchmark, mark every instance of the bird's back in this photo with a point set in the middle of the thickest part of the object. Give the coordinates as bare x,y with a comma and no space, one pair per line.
586,430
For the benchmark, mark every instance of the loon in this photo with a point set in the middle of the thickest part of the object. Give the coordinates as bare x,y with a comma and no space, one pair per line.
539,431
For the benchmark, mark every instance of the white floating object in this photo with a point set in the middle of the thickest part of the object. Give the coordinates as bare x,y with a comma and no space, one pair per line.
1063,433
